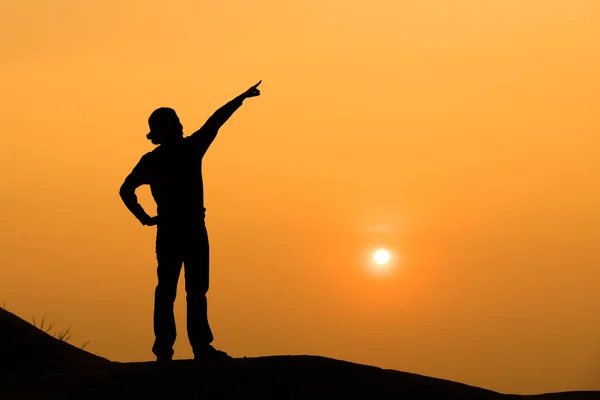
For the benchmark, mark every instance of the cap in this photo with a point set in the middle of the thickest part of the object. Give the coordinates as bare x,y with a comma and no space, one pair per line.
161,119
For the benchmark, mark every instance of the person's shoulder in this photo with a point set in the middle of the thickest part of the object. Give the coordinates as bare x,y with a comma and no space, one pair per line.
148,157
156,151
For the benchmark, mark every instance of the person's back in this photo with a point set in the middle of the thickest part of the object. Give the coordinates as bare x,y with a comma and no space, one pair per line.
174,172
175,180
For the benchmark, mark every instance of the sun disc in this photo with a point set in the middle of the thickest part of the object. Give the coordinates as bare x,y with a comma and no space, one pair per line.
381,256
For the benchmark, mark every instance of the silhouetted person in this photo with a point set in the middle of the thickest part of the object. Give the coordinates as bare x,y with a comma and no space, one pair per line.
173,171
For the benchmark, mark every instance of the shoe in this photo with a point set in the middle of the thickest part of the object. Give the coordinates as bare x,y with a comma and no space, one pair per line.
210,353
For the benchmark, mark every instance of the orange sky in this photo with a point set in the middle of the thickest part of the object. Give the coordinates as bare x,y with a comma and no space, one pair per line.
463,136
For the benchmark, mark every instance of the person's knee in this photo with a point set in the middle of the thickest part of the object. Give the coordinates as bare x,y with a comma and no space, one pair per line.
165,295
196,303
196,290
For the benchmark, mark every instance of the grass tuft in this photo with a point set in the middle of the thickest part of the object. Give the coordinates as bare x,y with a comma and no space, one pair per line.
63,336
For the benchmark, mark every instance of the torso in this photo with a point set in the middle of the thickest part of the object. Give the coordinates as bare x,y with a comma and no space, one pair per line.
176,182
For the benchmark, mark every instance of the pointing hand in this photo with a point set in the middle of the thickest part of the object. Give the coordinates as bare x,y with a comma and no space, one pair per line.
253,91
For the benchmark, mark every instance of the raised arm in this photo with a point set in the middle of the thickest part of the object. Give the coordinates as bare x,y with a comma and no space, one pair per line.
204,136
137,177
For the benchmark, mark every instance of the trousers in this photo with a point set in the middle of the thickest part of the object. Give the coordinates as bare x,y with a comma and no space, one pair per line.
176,245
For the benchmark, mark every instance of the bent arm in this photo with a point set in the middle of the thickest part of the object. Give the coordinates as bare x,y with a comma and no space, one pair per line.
127,193
204,136
129,197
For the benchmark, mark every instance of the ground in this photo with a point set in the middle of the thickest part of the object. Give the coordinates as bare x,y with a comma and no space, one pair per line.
35,365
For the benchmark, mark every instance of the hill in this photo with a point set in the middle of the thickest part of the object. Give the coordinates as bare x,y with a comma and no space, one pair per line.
35,365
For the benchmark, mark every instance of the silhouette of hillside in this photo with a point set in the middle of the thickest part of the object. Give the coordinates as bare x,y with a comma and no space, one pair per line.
23,346
35,365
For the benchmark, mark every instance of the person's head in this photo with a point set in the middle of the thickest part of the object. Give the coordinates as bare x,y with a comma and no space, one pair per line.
164,126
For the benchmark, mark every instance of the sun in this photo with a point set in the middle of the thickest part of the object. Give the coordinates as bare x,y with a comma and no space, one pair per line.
382,261
381,257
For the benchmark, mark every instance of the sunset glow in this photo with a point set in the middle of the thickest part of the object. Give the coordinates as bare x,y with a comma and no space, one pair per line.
417,186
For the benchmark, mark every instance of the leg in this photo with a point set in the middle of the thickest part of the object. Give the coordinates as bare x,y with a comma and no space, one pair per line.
196,264
169,267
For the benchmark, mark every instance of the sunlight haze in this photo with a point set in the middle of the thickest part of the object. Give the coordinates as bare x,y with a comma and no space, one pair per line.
461,136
